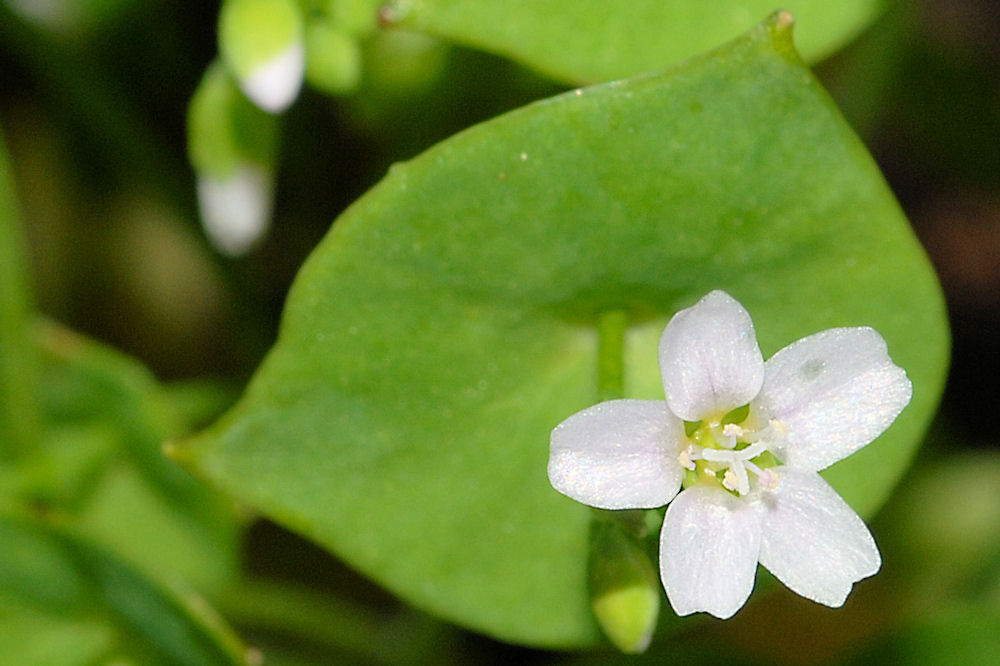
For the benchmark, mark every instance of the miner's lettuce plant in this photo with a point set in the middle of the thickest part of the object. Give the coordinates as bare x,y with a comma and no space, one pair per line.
420,396
483,292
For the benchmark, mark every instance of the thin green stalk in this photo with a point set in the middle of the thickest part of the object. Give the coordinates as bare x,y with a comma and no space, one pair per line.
611,348
611,327
19,411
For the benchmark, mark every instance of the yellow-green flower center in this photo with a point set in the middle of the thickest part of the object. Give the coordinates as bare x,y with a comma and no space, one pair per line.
731,450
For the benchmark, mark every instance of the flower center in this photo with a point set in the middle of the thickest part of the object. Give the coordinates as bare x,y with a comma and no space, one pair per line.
729,449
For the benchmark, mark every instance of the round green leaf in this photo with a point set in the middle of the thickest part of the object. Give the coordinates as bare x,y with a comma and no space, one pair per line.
449,321
599,40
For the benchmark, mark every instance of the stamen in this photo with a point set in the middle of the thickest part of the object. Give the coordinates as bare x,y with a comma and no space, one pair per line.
732,430
736,479
767,477
735,464
721,435
687,457
717,455
729,480
752,451
776,431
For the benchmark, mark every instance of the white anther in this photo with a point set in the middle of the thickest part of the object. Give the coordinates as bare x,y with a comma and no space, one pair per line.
732,430
687,458
729,480
736,479
768,478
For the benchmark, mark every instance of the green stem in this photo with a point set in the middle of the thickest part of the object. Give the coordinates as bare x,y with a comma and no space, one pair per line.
611,327
19,409
610,351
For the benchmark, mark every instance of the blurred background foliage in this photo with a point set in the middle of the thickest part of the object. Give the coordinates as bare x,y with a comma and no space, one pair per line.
93,100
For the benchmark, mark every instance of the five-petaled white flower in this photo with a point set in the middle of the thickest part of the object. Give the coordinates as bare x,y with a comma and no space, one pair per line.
746,439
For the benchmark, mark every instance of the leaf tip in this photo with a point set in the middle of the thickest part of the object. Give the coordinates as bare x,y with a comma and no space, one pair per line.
177,452
783,19
780,26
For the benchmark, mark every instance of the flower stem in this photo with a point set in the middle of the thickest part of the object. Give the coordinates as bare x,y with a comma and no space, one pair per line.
610,352
611,326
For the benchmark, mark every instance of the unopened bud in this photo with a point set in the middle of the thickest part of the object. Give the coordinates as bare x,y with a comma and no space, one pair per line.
358,18
333,59
624,588
262,43
231,145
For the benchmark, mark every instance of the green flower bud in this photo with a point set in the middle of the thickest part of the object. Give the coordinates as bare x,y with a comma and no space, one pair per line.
262,43
624,588
333,59
231,145
358,18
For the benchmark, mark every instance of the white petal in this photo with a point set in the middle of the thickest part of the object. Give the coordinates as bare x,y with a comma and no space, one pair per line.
235,212
708,551
835,391
813,542
275,84
709,358
619,454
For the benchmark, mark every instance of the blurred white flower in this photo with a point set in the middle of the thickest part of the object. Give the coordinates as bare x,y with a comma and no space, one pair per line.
746,439
262,43
236,211
273,85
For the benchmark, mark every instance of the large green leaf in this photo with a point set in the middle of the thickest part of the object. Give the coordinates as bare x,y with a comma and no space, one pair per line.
64,601
598,40
448,321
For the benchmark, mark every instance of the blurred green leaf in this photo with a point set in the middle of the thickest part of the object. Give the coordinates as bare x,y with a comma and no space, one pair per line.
967,633
18,404
131,499
100,463
943,524
64,601
599,40
448,322
290,617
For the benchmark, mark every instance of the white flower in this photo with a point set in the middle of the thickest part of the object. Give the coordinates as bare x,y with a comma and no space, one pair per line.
273,85
746,439
236,211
